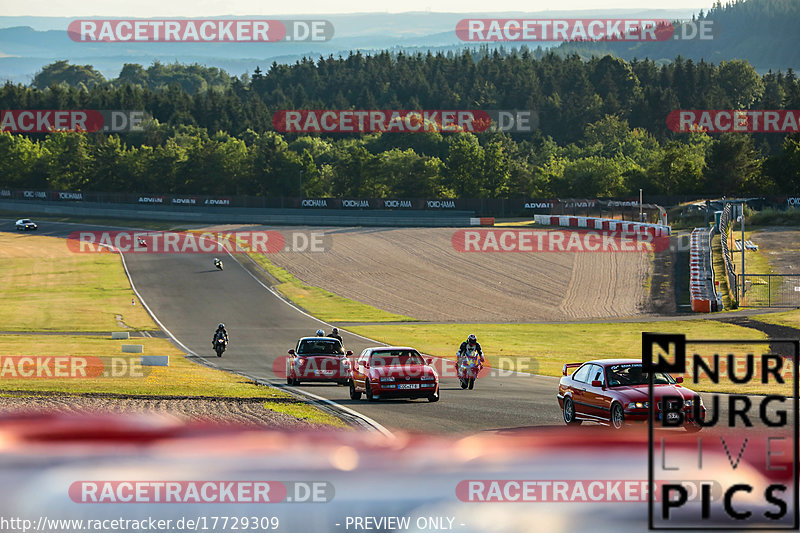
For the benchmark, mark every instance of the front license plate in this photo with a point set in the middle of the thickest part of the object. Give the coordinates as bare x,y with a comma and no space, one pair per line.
408,386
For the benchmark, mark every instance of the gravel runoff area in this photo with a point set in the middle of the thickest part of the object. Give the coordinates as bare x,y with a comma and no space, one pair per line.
417,272
249,411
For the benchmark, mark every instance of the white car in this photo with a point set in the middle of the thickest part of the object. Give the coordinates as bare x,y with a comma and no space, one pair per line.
25,224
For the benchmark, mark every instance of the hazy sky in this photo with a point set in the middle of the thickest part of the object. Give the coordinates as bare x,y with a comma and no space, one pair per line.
209,8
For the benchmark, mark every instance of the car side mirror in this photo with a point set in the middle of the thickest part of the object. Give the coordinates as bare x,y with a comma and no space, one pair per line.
428,361
597,383
291,352
349,352
679,379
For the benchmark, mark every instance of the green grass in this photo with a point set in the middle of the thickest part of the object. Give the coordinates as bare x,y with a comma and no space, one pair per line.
544,348
46,287
775,217
787,318
305,412
324,304
181,378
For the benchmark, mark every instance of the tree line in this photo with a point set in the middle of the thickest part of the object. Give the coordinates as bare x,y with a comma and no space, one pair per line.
602,130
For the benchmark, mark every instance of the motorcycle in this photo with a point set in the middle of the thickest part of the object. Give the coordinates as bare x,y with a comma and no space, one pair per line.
218,264
219,346
469,365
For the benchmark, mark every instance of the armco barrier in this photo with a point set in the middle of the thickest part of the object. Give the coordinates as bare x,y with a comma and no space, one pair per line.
702,289
245,215
607,224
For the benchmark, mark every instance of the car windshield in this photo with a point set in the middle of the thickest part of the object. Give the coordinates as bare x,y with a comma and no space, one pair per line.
25,221
397,358
632,374
320,347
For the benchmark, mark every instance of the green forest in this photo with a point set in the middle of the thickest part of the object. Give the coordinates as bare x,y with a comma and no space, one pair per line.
602,131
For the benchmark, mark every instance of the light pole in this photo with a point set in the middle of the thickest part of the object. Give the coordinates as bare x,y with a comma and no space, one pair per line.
640,205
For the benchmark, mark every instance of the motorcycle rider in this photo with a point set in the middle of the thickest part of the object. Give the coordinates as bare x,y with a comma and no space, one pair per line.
470,345
217,262
335,335
221,332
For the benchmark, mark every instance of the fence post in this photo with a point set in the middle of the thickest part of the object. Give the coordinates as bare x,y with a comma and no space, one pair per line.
769,291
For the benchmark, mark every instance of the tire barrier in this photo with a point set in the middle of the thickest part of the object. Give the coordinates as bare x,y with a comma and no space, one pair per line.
702,289
481,221
607,224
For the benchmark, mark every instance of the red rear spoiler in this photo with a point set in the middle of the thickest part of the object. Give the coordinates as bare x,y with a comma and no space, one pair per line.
569,365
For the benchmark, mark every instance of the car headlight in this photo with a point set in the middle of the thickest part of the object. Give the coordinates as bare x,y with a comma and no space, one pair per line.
638,405
387,380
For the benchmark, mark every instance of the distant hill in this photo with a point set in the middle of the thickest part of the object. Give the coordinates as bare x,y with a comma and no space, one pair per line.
29,43
764,32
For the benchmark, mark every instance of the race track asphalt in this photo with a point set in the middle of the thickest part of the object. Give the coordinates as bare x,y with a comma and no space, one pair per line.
189,297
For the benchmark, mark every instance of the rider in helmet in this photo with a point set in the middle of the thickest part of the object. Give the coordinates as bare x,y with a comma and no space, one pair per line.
335,335
470,344
221,332
320,333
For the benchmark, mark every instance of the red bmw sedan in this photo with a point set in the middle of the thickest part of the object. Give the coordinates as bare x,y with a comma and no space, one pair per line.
614,392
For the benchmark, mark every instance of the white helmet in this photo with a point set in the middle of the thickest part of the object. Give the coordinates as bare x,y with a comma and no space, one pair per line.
320,333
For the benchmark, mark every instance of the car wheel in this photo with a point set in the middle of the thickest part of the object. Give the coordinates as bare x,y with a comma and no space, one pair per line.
368,391
289,380
354,394
569,413
617,416
434,397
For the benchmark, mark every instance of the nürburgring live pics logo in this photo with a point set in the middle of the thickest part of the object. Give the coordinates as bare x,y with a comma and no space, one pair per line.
757,437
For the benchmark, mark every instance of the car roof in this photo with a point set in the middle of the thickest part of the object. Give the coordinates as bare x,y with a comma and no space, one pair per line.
318,339
610,362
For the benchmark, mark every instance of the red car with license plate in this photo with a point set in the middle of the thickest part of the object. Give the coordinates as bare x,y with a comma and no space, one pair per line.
614,392
393,372
318,359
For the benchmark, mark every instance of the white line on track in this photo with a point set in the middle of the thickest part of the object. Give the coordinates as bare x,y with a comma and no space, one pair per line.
376,426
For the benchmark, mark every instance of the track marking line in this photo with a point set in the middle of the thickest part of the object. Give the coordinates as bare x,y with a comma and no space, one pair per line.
370,423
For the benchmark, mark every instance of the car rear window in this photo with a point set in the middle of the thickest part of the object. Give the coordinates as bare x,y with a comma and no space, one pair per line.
397,358
320,347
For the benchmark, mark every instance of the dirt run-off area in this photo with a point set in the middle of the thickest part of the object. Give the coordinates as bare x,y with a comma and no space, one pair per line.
417,272
247,411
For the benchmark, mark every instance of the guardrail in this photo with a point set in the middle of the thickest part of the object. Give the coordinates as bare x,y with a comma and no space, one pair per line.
606,224
724,229
244,215
702,287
